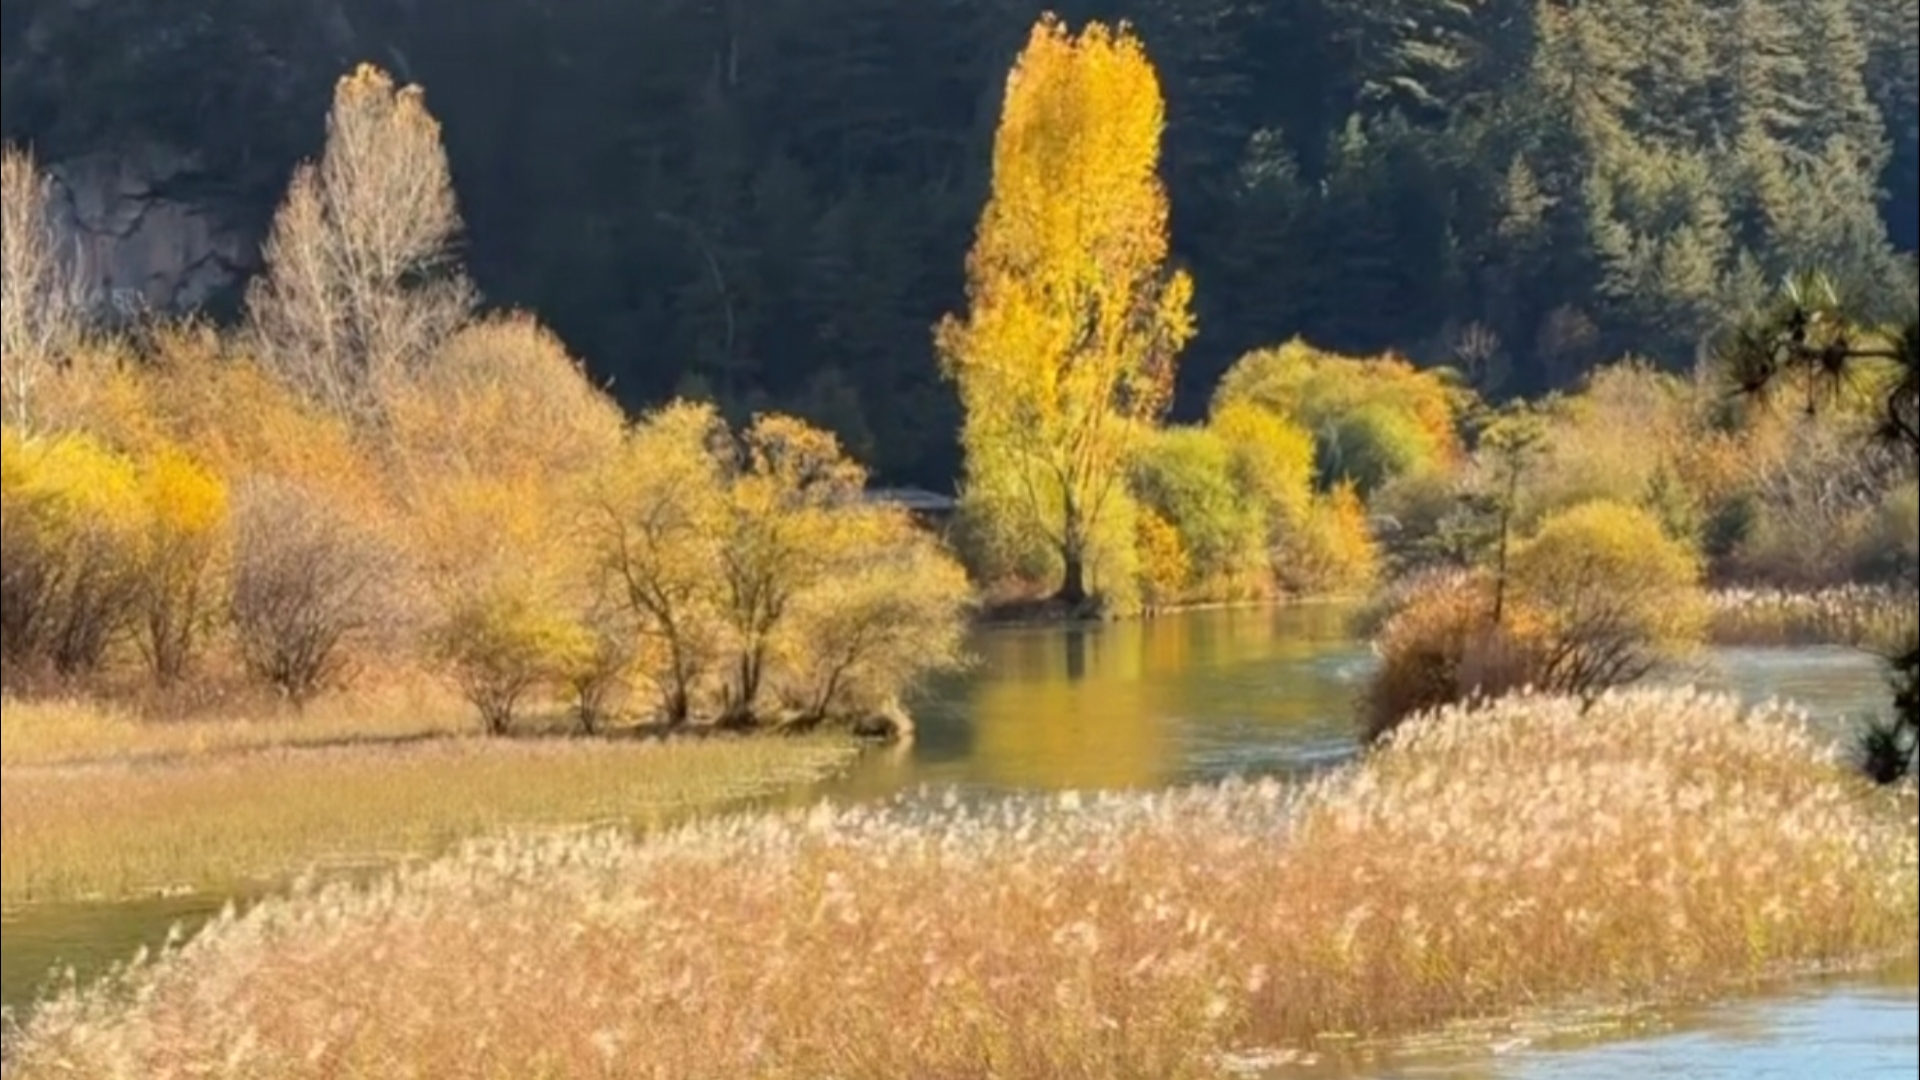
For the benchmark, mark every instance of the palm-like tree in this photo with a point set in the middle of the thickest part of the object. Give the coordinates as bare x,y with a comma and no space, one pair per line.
1806,342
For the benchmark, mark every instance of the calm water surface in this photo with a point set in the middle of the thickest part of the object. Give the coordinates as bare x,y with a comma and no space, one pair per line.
1204,695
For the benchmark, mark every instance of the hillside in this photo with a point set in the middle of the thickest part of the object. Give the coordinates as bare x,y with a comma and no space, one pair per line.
773,199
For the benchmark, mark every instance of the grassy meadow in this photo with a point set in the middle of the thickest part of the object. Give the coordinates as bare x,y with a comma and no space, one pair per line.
101,805
63,730
1662,846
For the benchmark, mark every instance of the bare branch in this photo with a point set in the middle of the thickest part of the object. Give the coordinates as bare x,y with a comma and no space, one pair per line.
43,298
361,281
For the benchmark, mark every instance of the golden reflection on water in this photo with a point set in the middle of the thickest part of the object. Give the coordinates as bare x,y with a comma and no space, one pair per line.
1120,705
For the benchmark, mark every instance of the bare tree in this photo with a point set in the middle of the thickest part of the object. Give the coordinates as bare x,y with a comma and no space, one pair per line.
361,280
43,308
307,585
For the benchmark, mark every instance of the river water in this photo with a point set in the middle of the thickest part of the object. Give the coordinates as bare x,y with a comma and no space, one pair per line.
1203,695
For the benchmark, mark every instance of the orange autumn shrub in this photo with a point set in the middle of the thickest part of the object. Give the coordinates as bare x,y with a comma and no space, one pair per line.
1443,647
1332,551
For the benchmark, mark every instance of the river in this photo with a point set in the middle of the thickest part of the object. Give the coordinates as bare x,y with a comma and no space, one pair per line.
1203,695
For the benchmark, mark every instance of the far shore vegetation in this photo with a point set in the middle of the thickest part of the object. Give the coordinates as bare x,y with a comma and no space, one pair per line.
371,479
377,570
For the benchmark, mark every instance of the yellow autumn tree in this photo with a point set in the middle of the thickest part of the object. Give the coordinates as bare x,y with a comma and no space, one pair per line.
786,504
656,525
179,552
70,518
1066,352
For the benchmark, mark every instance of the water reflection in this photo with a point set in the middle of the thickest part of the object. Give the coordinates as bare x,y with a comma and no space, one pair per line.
88,937
1138,704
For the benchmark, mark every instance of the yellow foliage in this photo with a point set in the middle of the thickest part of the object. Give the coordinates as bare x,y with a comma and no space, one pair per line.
510,578
1164,567
753,570
1373,418
183,498
503,641
1186,474
1605,568
77,483
101,392
788,516
994,534
1332,551
1585,458
69,527
886,612
503,395
1273,460
656,518
1073,321
179,557
234,416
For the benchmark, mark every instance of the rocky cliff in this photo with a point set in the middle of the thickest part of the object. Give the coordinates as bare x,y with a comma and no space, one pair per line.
169,128
143,243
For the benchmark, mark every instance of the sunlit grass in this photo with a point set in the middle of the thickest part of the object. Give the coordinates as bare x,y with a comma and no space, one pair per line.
217,821
1862,616
1659,847
50,731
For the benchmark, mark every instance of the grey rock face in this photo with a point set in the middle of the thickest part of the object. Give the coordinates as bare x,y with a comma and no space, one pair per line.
143,245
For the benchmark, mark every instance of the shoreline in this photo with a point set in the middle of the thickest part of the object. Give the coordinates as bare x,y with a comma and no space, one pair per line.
1037,613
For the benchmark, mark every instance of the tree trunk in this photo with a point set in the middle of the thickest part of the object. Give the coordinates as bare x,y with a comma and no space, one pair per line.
1073,583
1073,557
679,699
739,712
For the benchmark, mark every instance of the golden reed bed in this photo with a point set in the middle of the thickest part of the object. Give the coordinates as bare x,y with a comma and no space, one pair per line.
1663,846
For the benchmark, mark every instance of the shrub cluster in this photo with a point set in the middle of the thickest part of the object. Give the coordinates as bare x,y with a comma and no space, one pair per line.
101,548
1596,597
1267,497
368,474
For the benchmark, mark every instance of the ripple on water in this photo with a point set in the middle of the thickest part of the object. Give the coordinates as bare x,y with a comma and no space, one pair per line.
1856,1029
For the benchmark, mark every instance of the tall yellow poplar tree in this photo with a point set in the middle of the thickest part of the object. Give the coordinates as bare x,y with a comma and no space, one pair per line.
1066,352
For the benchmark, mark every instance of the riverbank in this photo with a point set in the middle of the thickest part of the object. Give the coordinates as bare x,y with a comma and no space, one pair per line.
100,805
1653,850
1861,616
1878,618
1046,611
